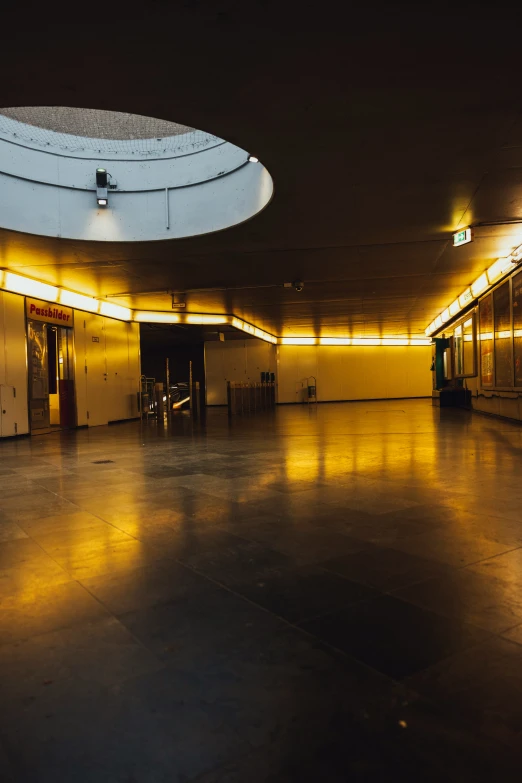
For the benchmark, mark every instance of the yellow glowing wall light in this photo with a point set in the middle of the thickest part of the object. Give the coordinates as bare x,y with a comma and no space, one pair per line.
149,316
298,340
491,275
152,316
115,311
480,285
205,319
332,341
26,286
79,301
254,330
464,299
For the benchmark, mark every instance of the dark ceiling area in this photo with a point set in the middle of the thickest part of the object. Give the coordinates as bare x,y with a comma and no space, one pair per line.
385,129
187,334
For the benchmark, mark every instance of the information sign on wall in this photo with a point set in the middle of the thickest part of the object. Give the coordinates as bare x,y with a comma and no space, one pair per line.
49,312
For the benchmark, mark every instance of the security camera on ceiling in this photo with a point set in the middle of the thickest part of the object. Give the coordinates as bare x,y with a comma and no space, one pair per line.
297,285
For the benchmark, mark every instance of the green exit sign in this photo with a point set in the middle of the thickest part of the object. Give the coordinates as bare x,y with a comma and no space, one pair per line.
462,237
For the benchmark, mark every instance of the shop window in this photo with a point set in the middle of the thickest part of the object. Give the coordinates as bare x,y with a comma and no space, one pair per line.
486,340
503,336
517,326
459,352
464,346
468,334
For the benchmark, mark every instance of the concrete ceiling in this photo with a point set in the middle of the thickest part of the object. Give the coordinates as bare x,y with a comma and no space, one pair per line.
385,129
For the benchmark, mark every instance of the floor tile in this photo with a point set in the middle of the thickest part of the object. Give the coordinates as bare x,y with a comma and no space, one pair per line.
479,599
10,531
394,637
506,566
86,561
62,524
299,538
453,547
38,609
301,593
482,686
100,650
384,568
211,623
161,583
136,730
237,561
514,634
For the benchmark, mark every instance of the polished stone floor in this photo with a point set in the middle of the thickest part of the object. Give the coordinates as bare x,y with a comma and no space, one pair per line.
325,593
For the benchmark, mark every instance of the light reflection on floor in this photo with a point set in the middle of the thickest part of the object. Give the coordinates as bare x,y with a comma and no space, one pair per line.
247,596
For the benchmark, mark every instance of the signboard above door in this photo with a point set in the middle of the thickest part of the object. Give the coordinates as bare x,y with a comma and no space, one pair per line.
49,312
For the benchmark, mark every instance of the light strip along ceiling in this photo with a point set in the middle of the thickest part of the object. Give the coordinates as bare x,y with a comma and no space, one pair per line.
496,271
25,286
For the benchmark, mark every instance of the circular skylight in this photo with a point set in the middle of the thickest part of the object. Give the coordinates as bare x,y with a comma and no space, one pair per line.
161,179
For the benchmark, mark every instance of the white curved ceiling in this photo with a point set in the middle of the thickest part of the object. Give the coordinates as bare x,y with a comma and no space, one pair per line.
186,184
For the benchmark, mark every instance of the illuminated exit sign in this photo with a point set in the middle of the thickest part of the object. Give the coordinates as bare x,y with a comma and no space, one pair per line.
462,237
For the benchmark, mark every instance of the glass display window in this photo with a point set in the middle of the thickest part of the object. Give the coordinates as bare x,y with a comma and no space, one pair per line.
503,336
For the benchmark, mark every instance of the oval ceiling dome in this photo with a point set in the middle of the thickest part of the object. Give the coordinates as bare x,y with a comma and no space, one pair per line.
110,176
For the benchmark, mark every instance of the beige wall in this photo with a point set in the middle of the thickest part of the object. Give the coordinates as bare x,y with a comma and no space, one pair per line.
354,372
13,362
342,372
108,390
240,361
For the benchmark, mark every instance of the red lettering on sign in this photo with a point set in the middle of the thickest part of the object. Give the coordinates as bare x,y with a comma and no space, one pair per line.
33,308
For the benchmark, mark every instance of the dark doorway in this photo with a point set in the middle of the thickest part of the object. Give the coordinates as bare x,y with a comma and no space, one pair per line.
181,344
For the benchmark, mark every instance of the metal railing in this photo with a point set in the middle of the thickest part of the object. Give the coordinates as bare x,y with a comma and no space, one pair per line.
147,403
250,397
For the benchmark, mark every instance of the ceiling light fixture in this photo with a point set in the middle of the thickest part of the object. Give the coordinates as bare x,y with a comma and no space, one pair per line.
499,268
205,319
79,301
298,340
102,187
237,323
152,317
492,275
27,287
454,308
115,311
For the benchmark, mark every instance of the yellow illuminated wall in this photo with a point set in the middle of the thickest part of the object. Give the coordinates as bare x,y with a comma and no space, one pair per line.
107,391
13,362
110,350
342,372
354,373
241,361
